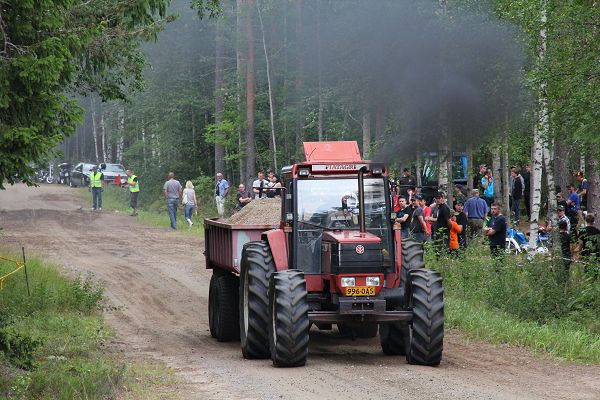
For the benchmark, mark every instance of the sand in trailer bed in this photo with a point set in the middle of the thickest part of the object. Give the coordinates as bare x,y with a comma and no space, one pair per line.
258,212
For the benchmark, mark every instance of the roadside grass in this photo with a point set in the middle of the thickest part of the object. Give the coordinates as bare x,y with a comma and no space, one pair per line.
52,343
529,303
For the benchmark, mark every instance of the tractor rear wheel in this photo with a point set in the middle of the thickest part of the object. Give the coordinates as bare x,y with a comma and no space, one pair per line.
363,331
223,314
393,339
412,258
426,330
288,330
257,265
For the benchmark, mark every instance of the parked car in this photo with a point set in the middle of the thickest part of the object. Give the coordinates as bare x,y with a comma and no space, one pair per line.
80,176
111,171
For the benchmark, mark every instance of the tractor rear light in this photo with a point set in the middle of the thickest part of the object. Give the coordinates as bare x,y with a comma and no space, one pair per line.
373,281
348,281
303,172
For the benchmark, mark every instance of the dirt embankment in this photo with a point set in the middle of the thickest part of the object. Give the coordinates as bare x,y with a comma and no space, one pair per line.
158,282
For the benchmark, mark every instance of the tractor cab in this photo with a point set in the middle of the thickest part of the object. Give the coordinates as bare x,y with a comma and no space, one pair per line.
336,214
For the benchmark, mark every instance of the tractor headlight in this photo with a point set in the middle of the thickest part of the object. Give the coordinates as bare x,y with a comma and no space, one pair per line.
373,281
348,281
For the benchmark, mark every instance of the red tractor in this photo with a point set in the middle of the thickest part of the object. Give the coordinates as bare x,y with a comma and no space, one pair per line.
333,259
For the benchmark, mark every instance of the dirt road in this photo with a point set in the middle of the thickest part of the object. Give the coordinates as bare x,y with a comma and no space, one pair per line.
158,281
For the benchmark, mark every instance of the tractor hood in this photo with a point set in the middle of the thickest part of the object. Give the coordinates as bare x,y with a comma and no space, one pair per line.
351,252
348,237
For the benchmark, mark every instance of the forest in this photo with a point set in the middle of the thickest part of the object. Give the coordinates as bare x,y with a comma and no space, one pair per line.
206,86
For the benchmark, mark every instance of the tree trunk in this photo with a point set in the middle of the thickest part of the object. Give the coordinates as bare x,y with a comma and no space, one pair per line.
419,171
319,73
94,129
506,177
366,130
561,164
443,161
470,167
593,192
540,131
219,61
103,133
121,135
270,89
250,146
299,76
548,153
239,68
379,124
497,170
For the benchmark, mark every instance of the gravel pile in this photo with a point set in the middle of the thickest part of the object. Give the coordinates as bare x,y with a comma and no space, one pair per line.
258,212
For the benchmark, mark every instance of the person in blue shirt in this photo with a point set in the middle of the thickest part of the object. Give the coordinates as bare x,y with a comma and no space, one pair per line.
573,209
476,209
487,182
221,190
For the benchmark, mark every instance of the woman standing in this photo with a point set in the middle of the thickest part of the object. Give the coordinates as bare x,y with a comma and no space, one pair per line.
189,202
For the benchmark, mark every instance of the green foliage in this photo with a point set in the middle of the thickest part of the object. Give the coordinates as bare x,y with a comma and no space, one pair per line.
531,303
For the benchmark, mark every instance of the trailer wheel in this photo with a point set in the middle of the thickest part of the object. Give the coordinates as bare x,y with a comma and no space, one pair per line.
223,314
393,339
426,331
257,265
288,330
412,258
363,331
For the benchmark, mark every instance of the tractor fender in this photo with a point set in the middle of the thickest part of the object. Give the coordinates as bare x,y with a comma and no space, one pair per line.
277,241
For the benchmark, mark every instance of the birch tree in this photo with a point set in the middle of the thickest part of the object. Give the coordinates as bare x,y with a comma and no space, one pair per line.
539,133
219,59
250,145
366,131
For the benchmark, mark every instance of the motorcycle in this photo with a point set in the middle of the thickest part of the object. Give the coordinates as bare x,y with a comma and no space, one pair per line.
45,175
64,174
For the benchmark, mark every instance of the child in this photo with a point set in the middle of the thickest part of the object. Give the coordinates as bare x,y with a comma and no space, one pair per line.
455,229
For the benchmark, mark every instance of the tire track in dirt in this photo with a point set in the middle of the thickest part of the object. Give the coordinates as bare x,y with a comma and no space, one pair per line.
157,281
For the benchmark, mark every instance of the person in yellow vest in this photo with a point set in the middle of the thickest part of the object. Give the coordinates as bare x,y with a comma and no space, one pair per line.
96,187
134,189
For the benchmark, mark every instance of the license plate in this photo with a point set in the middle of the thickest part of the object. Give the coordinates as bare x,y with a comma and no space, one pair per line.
360,291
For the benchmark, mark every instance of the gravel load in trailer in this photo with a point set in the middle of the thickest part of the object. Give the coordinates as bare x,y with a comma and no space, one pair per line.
258,212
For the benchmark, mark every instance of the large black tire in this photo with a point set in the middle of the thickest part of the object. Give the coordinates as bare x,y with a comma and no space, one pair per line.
288,330
362,331
393,338
257,265
412,258
223,313
426,330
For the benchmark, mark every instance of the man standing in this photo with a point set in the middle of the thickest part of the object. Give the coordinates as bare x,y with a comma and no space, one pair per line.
243,197
462,221
582,190
560,210
476,209
259,186
418,226
407,182
477,178
403,217
517,188
487,182
526,190
496,232
573,208
172,190
96,183
221,191
134,190
442,222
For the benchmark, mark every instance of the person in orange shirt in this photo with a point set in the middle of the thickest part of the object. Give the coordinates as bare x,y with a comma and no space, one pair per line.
455,230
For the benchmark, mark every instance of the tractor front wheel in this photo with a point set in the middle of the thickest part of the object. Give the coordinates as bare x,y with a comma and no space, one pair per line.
223,311
289,325
393,338
426,330
257,265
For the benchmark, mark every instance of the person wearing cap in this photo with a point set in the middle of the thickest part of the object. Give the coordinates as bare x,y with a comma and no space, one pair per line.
562,216
475,209
96,187
441,222
418,227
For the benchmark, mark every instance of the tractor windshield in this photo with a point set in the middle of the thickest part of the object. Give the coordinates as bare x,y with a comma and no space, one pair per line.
333,204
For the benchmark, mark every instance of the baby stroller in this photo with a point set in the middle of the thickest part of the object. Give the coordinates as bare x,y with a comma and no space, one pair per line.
517,242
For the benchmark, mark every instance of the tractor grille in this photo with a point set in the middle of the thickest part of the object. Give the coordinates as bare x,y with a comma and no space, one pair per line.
346,260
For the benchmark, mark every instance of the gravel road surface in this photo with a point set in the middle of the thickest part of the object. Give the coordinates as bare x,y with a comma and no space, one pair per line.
157,281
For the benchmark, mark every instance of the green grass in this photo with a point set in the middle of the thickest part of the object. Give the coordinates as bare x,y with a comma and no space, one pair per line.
155,214
52,342
524,303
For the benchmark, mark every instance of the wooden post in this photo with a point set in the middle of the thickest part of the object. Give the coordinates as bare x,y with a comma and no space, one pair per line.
25,268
